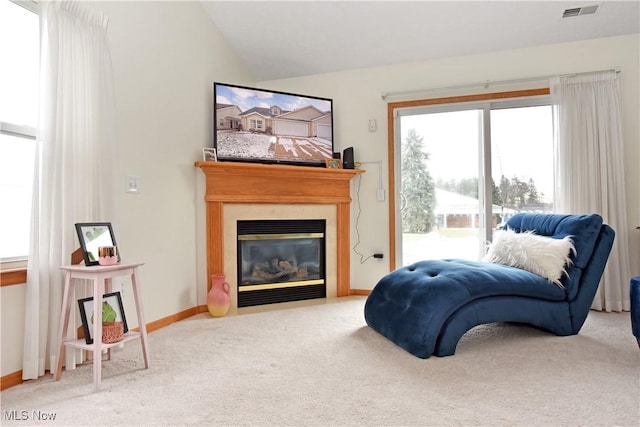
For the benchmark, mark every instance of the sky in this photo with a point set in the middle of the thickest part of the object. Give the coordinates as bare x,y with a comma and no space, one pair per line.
19,75
247,98
522,144
19,44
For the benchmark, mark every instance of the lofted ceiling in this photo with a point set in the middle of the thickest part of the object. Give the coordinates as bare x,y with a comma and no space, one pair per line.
281,39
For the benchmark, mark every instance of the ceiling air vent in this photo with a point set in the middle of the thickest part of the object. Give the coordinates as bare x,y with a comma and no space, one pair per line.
579,11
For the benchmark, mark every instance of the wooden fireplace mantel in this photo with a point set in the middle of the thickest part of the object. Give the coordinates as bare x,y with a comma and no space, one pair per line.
228,182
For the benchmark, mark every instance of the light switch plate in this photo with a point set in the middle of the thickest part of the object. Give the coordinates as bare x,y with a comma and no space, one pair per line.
133,184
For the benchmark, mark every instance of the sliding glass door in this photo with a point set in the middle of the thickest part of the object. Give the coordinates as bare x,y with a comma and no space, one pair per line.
462,170
522,160
439,199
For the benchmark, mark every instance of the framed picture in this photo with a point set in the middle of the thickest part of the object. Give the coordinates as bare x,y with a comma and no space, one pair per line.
209,154
92,235
86,313
334,163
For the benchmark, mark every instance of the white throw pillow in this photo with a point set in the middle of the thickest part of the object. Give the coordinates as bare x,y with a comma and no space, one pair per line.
544,256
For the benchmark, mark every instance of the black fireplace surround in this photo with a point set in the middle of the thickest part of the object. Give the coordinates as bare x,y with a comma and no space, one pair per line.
280,261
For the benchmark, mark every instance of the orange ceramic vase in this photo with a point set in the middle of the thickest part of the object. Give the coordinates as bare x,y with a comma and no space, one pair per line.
218,300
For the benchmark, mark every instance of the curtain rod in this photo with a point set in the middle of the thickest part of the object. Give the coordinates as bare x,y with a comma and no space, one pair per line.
488,83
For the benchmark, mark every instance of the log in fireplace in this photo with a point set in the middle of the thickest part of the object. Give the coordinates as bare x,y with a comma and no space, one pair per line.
280,261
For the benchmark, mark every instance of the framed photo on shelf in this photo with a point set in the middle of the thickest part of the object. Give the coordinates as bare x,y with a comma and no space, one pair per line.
209,154
91,236
114,299
333,163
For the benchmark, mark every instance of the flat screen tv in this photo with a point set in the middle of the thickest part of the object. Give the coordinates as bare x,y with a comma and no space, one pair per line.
266,126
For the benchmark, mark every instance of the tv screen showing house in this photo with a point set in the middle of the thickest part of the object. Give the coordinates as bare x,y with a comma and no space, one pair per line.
266,126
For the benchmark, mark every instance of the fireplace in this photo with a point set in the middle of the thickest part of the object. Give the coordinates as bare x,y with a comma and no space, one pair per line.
245,191
280,260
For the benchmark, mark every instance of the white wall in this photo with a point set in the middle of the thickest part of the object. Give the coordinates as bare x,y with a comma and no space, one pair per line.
357,98
12,327
166,56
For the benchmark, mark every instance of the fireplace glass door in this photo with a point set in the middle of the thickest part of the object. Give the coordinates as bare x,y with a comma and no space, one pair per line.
280,261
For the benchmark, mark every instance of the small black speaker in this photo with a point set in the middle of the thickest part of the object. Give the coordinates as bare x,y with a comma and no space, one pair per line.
347,158
336,155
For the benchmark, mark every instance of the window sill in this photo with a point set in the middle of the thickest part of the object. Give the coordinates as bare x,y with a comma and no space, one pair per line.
16,276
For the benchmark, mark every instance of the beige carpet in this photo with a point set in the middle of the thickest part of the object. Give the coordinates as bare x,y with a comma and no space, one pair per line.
321,365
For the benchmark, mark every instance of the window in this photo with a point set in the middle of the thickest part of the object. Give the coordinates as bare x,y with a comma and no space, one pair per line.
445,207
19,44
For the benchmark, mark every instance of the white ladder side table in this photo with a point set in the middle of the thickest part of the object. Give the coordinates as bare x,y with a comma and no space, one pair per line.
101,277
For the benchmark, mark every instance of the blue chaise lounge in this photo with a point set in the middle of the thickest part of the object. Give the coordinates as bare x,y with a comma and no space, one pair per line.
428,306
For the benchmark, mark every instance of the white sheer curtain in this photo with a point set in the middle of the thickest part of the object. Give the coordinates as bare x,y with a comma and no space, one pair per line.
75,165
590,169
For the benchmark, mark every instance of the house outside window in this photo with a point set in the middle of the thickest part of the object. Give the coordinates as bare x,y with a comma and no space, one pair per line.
19,44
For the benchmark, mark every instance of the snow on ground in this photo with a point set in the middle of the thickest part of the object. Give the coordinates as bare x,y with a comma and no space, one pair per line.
247,145
286,148
323,145
439,245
